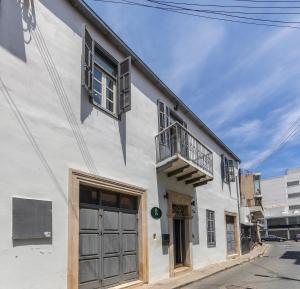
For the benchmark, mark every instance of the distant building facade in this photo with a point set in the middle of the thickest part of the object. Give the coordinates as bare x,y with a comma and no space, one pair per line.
281,201
251,210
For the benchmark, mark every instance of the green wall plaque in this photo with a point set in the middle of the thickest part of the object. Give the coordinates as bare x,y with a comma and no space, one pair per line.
156,213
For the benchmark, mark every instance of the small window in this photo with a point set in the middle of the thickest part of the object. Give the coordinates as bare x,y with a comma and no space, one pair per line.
292,183
211,233
89,196
109,200
294,207
294,195
128,202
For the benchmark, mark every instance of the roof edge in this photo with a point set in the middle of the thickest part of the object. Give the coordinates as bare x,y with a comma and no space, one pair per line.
88,12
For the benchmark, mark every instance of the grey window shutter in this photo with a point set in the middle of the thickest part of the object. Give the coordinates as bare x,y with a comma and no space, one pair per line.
125,85
88,56
161,115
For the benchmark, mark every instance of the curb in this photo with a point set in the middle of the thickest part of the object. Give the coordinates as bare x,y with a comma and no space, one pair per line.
223,269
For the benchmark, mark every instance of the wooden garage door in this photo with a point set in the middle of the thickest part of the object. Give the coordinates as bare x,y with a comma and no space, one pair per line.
108,239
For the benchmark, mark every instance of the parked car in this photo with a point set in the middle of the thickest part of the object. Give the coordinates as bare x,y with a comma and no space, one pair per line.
297,237
273,238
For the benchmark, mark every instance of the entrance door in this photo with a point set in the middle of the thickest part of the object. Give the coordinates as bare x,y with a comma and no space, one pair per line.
230,234
108,239
179,235
178,242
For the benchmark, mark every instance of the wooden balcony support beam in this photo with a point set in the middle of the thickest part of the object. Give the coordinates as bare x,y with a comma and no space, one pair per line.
186,176
194,180
200,184
177,171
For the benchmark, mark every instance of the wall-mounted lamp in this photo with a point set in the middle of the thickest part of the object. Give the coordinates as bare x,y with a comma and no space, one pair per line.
193,203
176,106
166,196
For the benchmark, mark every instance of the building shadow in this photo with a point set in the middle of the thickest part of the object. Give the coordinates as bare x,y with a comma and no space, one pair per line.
195,220
122,133
292,255
17,20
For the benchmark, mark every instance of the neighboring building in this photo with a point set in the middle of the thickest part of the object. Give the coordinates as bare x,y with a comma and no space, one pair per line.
281,201
107,177
251,210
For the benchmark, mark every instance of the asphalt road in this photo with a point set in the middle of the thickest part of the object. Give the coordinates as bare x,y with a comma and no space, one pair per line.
280,269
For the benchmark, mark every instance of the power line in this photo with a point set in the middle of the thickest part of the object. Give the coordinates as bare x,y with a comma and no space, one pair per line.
174,10
224,14
232,6
292,130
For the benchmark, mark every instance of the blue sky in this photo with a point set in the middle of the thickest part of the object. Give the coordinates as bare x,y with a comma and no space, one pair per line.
243,81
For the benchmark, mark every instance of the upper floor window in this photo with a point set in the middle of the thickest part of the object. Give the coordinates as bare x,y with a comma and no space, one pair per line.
227,167
294,195
292,183
107,82
294,207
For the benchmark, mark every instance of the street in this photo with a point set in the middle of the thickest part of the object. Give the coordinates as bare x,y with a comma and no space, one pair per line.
279,269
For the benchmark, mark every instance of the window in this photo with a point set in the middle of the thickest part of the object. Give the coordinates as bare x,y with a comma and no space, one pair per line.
227,170
107,82
211,233
292,183
104,83
294,207
294,195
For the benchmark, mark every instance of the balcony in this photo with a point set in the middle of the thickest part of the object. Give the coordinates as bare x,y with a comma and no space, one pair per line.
257,212
179,154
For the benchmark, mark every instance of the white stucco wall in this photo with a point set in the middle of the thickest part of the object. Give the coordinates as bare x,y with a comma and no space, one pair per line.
48,125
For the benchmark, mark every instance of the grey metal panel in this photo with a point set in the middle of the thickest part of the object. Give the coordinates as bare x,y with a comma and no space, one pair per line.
88,219
111,243
129,242
129,263
32,219
110,220
88,244
88,270
129,221
111,267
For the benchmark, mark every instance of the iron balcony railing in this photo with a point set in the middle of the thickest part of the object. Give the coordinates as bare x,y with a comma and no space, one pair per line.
175,139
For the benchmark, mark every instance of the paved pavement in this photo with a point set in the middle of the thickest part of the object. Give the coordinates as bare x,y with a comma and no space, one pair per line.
189,277
278,269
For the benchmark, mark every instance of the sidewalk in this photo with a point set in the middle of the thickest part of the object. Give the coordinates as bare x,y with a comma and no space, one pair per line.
196,275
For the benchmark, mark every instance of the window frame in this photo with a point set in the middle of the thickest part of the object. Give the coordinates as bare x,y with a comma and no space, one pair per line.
105,74
292,183
211,228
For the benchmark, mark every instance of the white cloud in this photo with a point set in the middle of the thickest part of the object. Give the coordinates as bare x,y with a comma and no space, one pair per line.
190,45
279,131
243,100
247,131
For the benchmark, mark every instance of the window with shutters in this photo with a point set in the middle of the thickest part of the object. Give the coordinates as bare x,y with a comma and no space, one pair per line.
211,232
107,81
104,82
227,167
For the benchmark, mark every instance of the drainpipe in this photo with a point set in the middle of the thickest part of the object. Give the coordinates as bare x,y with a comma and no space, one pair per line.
238,186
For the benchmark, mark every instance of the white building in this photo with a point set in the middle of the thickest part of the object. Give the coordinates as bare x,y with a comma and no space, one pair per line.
94,147
281,201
